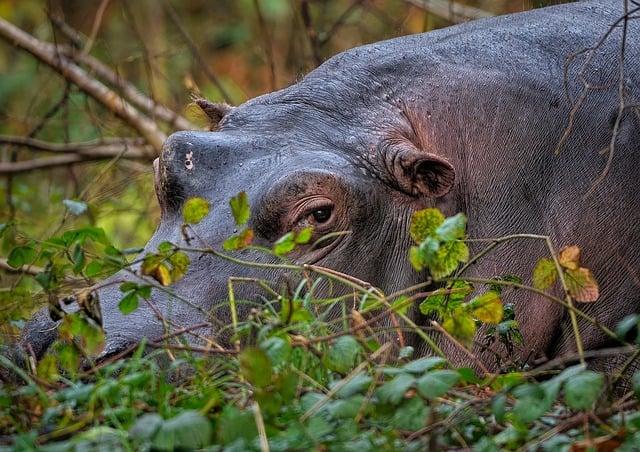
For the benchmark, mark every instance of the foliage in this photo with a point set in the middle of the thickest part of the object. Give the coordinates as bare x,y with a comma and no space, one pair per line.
295,381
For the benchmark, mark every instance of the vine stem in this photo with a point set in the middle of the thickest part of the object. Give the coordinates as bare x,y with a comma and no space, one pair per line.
567,296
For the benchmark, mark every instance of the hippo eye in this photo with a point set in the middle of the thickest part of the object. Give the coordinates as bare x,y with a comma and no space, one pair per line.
322,215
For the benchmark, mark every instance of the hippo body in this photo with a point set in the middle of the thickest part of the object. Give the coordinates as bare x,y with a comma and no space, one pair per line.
467,119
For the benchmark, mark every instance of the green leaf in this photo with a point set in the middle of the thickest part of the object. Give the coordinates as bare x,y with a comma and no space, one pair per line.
195,209
284,244
544,274
452,228
94,268
452,296
356,384
423,364
278,349
165,247
582,391
415,257
487,307
437,382
424,223
180,264
393,391
533,400
304,235
447,259
410,415
129,303
127,286
342,354
256,367
460,325
146,427
189,430
75,207
21,255
240,208
234,425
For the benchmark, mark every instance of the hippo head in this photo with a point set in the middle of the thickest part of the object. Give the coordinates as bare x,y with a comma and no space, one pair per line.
330,154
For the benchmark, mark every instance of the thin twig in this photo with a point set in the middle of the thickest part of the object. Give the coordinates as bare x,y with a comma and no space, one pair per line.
47,54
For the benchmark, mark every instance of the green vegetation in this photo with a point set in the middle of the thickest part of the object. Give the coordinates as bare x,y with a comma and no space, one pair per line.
296,378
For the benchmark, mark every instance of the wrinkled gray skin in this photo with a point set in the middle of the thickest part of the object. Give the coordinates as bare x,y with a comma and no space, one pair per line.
466,119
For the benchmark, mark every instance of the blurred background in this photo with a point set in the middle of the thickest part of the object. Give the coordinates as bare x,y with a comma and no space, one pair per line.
225,50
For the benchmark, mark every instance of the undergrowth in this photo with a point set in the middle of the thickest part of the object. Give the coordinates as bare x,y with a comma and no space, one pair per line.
291,376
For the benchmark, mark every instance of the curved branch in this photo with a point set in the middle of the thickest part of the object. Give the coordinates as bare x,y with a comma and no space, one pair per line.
79,155
103,145
46,53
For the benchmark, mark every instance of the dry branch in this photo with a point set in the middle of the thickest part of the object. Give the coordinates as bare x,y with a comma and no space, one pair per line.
72,153
47,53
451,11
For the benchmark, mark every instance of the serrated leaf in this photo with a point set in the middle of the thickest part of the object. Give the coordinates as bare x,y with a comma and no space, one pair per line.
277,349
582,285
342,355
239,241
437,382
356,384
129,303
569,257
240,208
75,207
582,390
487,307
452,228
452,296
284,244
544,274
448,257
255,366
393,391
424,223
195,210
460,325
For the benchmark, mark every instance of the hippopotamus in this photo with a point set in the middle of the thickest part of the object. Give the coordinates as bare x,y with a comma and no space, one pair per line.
526,123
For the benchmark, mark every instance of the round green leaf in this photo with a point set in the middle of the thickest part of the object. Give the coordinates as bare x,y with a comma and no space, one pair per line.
437,382
195,209
582,391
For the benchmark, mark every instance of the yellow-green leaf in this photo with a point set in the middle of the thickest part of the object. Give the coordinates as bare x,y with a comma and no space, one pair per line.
284,244
195,209
487,307
424,223
582,285
447,259
304,235
415,258
460,325
569,257
544,274
239,241
240,208
180,262
161,274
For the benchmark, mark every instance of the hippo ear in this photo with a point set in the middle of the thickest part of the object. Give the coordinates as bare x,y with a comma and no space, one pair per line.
419,173
215,111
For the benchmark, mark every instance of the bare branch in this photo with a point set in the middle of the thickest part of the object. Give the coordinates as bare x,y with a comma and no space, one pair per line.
46,53
451,11
312,35
173,15
72,153
118,144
